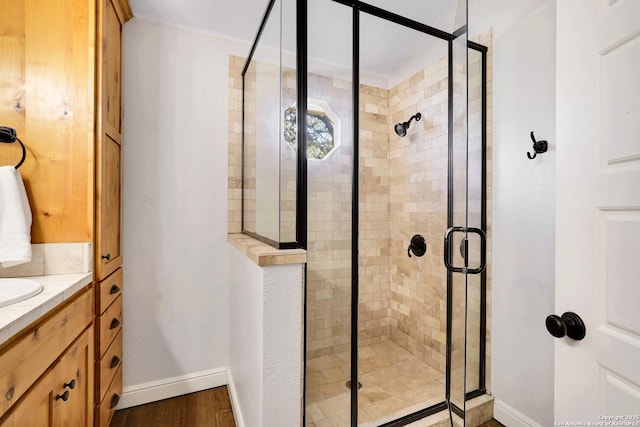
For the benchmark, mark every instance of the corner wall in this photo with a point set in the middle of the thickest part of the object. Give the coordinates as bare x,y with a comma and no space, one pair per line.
176,280
523,257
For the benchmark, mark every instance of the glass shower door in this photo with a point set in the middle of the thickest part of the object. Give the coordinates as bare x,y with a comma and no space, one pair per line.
464,240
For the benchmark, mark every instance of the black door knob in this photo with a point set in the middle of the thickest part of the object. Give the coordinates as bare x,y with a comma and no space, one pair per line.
570,324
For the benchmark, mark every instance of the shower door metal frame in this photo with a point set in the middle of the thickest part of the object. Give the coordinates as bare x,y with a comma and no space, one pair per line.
301,158
301,186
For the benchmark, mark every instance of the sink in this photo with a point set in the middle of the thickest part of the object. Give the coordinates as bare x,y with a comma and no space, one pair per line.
14,290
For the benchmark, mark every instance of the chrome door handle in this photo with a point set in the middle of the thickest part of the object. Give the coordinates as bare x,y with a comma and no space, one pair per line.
448,251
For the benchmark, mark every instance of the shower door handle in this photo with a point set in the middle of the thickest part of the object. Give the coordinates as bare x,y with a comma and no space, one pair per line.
448,251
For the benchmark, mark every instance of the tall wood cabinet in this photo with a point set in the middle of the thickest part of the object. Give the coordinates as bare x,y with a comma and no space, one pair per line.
111,16
61,89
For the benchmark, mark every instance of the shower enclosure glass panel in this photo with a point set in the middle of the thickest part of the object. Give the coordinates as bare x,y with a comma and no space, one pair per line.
476,283
403,192
329,215
389,338
270,165
458,195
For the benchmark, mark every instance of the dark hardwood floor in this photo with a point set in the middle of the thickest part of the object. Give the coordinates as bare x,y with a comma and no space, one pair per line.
492,423
209,408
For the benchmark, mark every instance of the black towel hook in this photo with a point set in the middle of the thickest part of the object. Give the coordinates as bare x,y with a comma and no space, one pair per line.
9,135
538,147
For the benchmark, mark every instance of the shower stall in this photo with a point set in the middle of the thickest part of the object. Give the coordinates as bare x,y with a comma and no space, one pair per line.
364,142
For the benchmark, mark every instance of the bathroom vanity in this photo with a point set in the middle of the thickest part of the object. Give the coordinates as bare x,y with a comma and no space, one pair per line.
46,355
64,99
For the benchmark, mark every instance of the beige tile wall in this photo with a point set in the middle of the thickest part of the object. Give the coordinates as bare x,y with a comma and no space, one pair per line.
374,243
419,206
329,188
234,180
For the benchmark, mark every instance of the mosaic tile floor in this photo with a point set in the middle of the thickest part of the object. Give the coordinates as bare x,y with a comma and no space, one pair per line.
395,383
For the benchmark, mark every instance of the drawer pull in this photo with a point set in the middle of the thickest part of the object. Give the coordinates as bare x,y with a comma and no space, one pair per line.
107,257
114,400
9,394
114,323
64,396
114,289
71,384
115,361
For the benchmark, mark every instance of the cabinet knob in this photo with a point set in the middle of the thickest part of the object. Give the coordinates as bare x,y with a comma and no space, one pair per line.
570,324
64,396
114,400
9,394
115,361
114,289
114,323
107,257
71,384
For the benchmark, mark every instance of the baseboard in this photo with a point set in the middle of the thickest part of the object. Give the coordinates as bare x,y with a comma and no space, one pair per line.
237,414
510,417
172,387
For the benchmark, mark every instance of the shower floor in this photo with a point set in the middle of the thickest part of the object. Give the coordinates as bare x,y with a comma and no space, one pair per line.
394,383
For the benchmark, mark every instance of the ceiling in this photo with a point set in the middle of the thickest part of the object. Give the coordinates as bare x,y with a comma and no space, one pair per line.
235,19
387,50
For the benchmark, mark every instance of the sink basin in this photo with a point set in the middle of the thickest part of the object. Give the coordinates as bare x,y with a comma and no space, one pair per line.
15,290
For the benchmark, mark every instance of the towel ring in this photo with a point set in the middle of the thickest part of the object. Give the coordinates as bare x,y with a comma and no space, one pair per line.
8,135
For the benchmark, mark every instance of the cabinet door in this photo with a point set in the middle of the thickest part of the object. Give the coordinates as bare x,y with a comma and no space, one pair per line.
109,138
109,208
62,397
74,374
112,22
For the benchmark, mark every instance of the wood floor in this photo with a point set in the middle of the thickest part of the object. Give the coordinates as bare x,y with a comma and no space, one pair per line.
209,408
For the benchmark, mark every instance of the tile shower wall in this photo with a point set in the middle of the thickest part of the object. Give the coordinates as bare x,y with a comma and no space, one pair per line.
329,219
329,188
374,312
234,125
418,205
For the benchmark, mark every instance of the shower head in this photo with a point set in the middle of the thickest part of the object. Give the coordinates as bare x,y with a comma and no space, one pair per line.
401,128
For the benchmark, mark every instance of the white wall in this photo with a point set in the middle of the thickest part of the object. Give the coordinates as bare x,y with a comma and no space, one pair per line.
176,276
523,204
265,368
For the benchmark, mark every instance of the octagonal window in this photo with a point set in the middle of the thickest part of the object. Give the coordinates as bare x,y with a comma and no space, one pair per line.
323,129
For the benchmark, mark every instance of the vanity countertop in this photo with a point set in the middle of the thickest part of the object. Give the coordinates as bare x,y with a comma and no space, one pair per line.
56,289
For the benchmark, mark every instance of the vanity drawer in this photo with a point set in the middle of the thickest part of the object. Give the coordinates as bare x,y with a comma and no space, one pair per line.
109,365
106,408
22,361
109,324
108,290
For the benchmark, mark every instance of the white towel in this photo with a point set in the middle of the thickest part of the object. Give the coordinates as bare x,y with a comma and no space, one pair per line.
15,219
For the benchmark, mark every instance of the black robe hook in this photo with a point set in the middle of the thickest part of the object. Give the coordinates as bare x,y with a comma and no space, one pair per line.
538,147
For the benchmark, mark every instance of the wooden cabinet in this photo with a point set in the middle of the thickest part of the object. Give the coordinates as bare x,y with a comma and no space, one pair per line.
62,397
108,348
61,79
48,371
112,14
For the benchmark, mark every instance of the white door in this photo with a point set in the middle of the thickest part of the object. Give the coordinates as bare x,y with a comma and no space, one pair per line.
598,209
